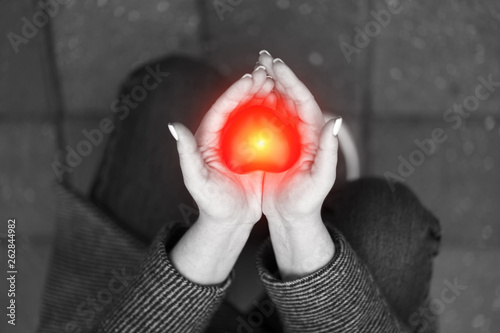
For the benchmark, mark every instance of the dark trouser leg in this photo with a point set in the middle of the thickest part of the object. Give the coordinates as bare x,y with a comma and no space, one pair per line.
139,180
393,234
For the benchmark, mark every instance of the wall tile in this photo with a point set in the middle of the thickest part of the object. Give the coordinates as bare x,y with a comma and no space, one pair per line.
23,90
429,56
476,304
99,42
26,176
305,34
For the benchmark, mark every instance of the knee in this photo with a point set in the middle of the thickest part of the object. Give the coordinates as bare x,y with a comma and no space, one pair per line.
393,234
374,194
379,195
370,208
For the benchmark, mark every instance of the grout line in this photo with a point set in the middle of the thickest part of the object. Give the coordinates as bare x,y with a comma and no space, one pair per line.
431,119
204,37
412,116
54,84
366,102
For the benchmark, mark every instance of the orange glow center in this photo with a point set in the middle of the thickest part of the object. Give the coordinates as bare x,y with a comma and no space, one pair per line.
259,138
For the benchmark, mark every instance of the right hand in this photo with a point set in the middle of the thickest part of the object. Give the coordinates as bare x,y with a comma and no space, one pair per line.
222,196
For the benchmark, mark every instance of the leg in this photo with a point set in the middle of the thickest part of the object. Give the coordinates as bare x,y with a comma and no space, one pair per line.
139,180
393,234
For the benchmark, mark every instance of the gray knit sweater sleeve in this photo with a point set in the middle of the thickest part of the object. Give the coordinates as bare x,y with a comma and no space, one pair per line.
340,297
102,279
160,299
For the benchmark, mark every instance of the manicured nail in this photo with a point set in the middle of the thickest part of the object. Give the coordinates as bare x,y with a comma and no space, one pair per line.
277,60
337,125
246,75
259,67
173,131
264,52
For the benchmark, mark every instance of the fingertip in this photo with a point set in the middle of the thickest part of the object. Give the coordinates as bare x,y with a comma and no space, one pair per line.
325,162
336,126
180,132
331,130
239,89
266,60
279,66
173,131
266,88
260,67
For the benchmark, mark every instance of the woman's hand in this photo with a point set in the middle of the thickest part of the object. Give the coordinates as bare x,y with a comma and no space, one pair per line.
229,203
292,200
221,195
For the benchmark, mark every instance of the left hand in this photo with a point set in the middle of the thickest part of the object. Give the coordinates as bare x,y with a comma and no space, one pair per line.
296,195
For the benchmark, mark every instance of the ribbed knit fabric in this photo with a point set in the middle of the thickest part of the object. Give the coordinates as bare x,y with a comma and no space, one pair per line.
90,258
340,297
103,280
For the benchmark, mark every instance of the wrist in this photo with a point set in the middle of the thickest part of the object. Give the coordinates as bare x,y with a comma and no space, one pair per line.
224,225
296,221
301,244
208,250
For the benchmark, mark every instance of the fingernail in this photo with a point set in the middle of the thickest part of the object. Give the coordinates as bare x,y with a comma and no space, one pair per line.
269,77
337,125
264,52
246,75
277,60
173,131
259,67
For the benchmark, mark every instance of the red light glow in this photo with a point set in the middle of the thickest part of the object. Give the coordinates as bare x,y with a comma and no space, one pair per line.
259,138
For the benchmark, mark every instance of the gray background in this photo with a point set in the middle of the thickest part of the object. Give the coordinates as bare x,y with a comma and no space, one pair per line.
393,92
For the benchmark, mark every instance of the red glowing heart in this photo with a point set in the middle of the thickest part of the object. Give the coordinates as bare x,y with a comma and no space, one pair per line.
259,138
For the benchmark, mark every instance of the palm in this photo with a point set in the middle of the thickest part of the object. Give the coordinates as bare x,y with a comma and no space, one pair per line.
299,191
293,190
221,194
243,193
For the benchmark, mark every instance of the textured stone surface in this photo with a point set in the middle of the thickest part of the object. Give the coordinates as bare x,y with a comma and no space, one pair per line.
430,54
459,182
22,74
99,42
26,176
305,34
477,307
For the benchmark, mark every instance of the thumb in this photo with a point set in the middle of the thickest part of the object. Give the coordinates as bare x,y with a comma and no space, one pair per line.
324,168
192,164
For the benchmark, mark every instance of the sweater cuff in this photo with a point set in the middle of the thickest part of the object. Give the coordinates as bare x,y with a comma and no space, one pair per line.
339,297
160,299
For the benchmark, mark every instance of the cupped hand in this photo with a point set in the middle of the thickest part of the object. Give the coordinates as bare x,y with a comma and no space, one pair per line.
222,196
296,195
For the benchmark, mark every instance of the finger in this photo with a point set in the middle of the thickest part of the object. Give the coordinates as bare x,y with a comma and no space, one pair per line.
216,117
266,60
258,78
266,89
261,85
307,108
192,165
270,101
324,167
